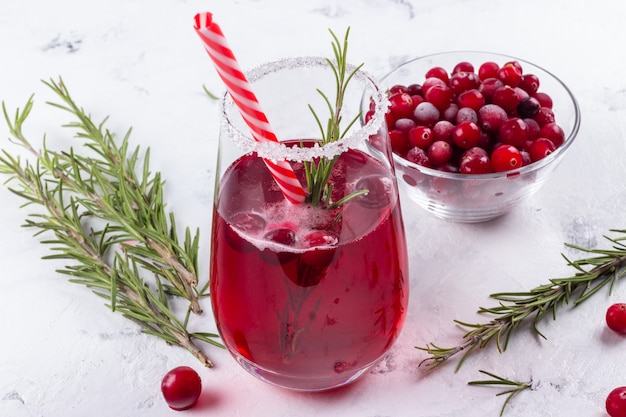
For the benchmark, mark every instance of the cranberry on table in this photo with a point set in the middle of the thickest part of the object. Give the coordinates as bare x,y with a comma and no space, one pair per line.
181,388
616,402
616,318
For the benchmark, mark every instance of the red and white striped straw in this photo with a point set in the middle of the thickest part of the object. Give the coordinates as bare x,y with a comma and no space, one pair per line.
239,89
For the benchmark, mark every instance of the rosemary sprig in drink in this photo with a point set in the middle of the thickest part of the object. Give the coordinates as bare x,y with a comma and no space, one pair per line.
77,193
318,173
515,308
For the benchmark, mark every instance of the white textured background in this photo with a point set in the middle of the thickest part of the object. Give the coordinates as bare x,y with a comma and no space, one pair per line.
63,354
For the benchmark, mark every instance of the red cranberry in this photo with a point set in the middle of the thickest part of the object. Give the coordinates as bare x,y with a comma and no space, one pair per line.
414,90
533,128
321,245
507,98
466,135
401,105
554,132
439,152
521,94
440,95
487,70
282,235
540,148
544,116
438,72
616,317
395,89
510,74
488,87
430,82
473,99
181,387
475,161
514,131
506,158
616,402
530,83
463,66
417,99
420,136
418,156
399,142
490,118
463,81
544,99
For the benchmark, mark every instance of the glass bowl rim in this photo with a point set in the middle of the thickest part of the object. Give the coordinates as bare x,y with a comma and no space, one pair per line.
495,175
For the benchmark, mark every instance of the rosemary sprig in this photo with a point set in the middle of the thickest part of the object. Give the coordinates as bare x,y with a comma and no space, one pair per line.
77,193
512,387
514,308
318,173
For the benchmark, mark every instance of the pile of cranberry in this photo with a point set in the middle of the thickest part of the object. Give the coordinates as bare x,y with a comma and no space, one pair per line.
473,120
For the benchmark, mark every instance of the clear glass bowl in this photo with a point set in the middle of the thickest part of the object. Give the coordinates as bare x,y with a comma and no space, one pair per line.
478,198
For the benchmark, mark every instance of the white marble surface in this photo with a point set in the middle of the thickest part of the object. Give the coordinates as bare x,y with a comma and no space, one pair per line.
62,353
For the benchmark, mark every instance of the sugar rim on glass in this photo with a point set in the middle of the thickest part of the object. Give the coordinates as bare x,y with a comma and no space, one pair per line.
276,151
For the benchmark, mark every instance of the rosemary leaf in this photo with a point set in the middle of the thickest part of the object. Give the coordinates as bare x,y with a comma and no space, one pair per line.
516,387
105,213
592,274
317,174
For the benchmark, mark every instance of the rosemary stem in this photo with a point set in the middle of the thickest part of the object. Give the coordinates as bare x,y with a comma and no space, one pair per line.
516,308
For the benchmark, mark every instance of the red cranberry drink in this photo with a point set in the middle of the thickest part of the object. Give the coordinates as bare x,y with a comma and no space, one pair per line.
308,297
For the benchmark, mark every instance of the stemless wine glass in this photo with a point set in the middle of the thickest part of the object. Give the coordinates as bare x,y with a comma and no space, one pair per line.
308,297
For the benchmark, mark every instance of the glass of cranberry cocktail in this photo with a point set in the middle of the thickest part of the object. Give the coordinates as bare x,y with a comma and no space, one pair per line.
308,296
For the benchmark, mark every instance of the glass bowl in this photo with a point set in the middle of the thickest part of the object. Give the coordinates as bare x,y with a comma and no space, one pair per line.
481,197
